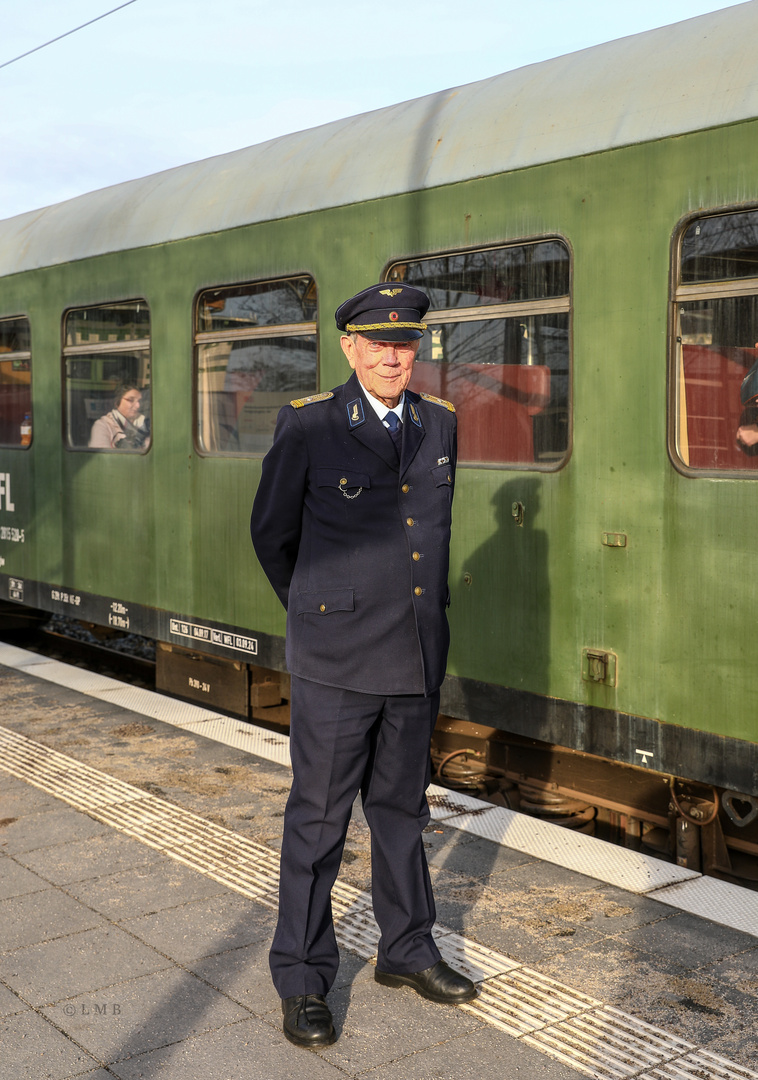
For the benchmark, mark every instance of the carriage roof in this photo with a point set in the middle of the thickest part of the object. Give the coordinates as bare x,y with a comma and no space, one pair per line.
690,76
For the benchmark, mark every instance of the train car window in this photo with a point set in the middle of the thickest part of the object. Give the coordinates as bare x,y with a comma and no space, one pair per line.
715,355
15,383
255,349
106,361
498,347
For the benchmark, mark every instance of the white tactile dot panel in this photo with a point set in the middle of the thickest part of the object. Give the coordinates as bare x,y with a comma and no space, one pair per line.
713,899
269,745
630,870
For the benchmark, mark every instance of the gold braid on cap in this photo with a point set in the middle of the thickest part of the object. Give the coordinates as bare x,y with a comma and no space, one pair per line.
355,328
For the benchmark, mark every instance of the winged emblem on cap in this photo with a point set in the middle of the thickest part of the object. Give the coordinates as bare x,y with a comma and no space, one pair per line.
389,292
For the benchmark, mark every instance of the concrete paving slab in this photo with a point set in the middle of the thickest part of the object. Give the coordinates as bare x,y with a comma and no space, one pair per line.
17,880
464,901
35,1050
142,890
58,825
205,927
42,916
607,909
738,972
10,1003
242,974
378,1025
531,940
251,1049
691,941
614,971
484,1054
714,1004
17,798
77,964
471,856
520,925
82,860
143,1014
535,922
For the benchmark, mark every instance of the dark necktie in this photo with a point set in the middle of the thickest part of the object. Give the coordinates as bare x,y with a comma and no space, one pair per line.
395,429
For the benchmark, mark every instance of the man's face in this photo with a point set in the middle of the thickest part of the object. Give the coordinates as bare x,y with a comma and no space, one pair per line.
130,404
384,367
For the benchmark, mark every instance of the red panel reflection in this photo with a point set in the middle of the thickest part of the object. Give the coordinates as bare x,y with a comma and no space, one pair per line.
713,376
495,403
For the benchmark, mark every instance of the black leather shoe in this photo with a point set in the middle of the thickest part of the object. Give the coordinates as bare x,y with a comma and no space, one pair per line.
307,1020
439,983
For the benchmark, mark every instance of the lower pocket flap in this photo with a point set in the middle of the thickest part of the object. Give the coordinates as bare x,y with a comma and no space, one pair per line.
324,602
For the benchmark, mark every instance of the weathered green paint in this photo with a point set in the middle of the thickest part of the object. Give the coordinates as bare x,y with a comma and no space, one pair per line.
170,529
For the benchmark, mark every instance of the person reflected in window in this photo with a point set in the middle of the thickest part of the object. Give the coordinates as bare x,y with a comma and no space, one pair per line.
125,427
747,432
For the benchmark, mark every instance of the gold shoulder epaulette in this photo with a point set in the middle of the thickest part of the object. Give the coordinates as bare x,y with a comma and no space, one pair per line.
299,402
439,401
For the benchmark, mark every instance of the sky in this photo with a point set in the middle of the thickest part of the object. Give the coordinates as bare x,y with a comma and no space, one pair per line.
160,83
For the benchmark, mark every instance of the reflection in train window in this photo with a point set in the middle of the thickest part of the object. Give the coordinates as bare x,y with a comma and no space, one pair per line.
106,358
255,349
15,383
715,383
498,347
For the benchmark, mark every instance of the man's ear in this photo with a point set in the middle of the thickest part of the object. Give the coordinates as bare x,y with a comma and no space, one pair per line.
348,348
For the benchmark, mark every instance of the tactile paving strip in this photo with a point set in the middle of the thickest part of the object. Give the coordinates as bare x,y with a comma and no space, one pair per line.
555,1019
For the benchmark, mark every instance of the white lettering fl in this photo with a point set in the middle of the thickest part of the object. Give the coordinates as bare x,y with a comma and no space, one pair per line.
5,491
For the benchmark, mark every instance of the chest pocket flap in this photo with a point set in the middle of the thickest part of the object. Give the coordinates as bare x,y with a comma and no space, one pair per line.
442,475
346,480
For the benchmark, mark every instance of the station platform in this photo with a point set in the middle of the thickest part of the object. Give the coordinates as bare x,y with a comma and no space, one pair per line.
138,873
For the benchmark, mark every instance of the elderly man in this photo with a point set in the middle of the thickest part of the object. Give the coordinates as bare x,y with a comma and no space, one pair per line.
351,524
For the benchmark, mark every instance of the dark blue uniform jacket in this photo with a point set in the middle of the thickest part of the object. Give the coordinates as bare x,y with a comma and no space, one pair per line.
355,542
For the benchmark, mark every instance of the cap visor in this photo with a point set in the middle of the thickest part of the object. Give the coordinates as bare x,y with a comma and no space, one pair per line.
391,335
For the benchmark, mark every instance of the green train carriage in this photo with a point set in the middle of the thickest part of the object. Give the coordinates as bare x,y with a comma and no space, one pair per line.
587,229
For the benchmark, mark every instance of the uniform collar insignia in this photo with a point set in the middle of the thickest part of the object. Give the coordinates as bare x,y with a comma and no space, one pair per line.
355,415
414,415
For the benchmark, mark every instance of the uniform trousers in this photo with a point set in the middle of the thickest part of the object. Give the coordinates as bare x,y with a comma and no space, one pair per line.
342,742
